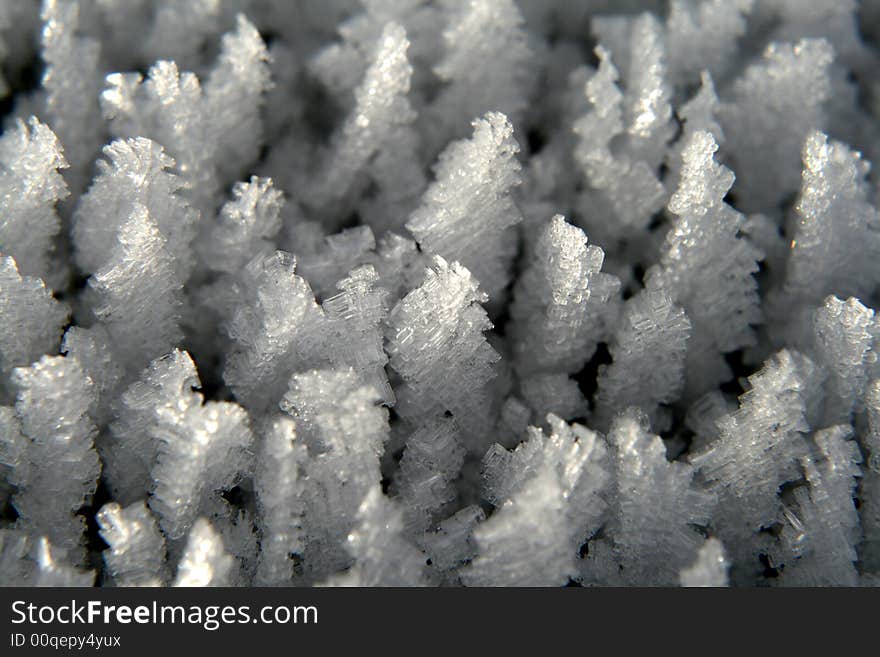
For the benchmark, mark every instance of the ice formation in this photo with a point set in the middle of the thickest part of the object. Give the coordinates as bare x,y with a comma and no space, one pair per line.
439,293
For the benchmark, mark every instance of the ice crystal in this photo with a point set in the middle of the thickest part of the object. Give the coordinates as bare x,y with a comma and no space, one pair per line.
563,303
31,185
139,291
702,35
488,31
136,171
345,431
202,449
837,231
822,528
205,561
431,462
531,522
707,266
276,331
377,126
467,213
451,375
578,457
136,552
71,103
280,486
377,533
759,448
710,568
643,373
626,186
32,321
457,292
655,507
774,106
55,458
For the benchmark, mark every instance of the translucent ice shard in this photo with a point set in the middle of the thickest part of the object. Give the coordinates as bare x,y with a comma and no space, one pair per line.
467,214
562,302
205,561
710,568
31,159
136,552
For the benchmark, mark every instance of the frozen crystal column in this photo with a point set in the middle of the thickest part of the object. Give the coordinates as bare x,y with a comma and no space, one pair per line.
577,455
355,318
468,213
435,343
139,292
836,238
31,320
135,171
759,448
431,462
202,451
382,556
707,267
843,346
821,527
648,351
136,552
527,541
130,451
71,85
772,108
205,561
869,491
710,567
341,65
279,482
277,330
654,508
487,65
56,469
345,429
246,226
376,142
234,94
562,302
169,108
31,185
702,35
624,192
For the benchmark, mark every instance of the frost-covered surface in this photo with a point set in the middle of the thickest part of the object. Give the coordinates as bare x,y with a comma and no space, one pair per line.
439,293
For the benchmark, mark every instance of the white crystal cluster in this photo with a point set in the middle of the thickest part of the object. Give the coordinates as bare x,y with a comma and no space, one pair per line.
439,293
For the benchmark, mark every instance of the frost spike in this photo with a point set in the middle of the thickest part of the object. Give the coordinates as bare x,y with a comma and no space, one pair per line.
773,106
205,561
655,506
435,342
648,351
710,567
71,87
139,292
202,449
234,94
562,302
136,552
468,212
707,266
280,488
31,320
31,186
60,466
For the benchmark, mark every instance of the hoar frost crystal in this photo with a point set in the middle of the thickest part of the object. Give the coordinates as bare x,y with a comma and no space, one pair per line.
439,293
